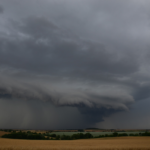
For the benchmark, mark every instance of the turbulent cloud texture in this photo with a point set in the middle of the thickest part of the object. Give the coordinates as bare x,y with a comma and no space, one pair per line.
88,59
1,9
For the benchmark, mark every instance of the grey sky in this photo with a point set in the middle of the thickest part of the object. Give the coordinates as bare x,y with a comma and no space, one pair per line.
86,58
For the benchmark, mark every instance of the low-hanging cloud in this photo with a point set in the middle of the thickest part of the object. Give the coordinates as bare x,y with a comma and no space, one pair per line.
93,106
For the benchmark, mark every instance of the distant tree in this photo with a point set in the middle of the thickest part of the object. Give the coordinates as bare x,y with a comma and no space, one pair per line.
57,137
88,135
65,137
115,134
123,134
24,135
52,135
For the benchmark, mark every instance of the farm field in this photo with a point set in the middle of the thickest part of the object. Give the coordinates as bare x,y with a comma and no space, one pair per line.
115,143
2,133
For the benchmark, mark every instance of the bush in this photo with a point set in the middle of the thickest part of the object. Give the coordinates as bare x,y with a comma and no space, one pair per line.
115,134
123,134
53,135
65,137
24,135
58,137
146,134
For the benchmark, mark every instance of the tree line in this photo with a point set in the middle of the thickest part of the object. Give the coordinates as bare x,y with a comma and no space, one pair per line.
46,136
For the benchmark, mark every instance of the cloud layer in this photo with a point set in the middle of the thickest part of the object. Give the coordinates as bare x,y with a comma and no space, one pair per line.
89,58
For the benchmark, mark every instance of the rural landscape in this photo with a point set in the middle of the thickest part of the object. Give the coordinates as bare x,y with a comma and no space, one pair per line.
92,139
74,74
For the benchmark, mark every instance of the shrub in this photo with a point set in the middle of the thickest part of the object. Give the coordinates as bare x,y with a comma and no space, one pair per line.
24,135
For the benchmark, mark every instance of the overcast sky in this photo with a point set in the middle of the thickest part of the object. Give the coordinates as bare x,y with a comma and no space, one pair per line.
74,64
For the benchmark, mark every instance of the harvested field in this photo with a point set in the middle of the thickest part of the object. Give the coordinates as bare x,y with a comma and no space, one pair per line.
2,133
119,143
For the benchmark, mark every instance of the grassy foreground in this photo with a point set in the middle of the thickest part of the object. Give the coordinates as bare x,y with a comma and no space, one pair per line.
117,143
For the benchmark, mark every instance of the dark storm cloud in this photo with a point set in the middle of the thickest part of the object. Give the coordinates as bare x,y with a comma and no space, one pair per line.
142,92
88,56
1,9
46,47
